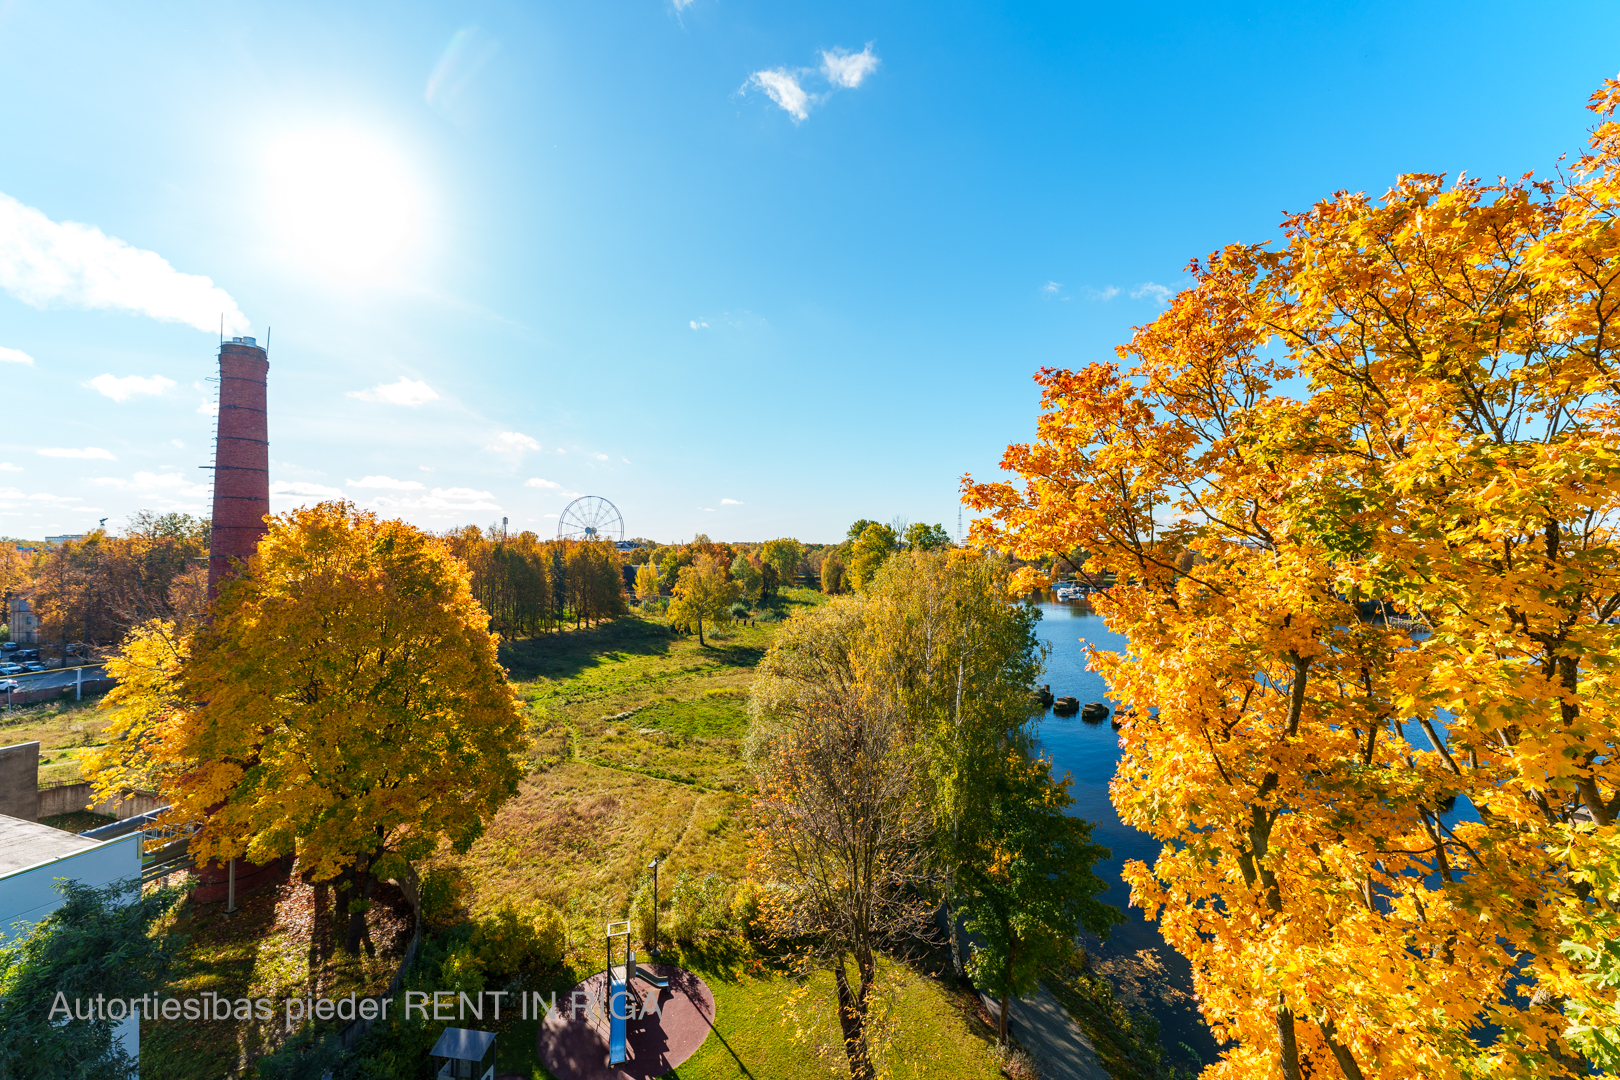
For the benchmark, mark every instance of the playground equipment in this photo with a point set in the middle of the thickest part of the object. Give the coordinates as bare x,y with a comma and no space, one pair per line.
617,1004
620,989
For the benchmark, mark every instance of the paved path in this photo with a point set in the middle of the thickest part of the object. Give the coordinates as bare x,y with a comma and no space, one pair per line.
1047,1033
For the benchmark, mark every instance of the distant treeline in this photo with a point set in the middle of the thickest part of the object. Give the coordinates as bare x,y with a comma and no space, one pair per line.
95,589
529,585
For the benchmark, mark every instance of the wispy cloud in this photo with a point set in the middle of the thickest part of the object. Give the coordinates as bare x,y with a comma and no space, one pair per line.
840,68
150,483
698,324
6,466
403,391
535,481
386,483
681,5
707,509
69,452
15,356
305,489
439,502
730,502
47,263
782,85
1160,294
512,442
122,389
1106,293
846,69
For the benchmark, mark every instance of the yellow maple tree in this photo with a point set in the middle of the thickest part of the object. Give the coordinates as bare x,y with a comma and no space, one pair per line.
344,703
1359,491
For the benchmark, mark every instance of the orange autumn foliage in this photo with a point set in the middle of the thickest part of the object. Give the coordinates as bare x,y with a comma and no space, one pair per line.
1412,402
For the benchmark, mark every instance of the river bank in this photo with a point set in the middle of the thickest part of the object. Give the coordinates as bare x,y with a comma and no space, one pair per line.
1147,974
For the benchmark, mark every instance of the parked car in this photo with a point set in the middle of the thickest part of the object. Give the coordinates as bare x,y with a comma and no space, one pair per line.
11,669
10,646
9,685
33,665
27,654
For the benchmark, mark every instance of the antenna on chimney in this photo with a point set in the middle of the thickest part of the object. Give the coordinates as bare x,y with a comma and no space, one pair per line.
222,328
267,340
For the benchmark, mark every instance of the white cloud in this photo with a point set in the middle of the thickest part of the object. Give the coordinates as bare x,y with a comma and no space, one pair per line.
846,69
307,490
681,5
68,452
208,408
707,509
439,502
15,356
1052,288
698,324
1107,292
730,502
512,442
46,496
178,443
783,87
1159,293
601,457
6,466
535,481
401,392
122,389
173,484
386,483
46,263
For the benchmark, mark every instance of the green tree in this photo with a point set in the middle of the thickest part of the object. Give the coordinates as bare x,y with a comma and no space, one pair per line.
858,528
920,537
785,556
703,593
96,947
748,577
833,575
942,640
872,548
1031,886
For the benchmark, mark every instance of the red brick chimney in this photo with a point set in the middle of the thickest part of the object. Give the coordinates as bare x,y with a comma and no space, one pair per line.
241,458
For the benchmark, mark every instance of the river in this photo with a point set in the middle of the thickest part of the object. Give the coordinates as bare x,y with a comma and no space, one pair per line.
1147,973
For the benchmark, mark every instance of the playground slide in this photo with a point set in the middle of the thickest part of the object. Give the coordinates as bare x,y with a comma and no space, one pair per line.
618,1012
645,976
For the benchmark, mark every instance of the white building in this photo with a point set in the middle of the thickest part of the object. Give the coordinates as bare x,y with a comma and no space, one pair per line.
33,856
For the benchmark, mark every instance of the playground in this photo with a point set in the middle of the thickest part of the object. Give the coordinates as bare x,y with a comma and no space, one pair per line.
631,1021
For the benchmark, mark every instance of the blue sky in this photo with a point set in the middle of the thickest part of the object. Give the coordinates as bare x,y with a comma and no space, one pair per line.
750,269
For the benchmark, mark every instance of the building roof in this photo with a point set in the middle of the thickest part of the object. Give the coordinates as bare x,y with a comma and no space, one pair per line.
24,843
460,1044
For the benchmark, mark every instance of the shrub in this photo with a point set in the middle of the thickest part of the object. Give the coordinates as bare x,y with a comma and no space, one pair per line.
745,909
644,913
516,935
695,905
462,970
443,891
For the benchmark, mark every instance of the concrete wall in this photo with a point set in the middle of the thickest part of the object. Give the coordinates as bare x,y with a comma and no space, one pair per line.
19,781
71,798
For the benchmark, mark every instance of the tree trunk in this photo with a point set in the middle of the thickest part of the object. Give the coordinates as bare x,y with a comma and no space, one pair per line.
1288,1049
852,1021
700,632
361,883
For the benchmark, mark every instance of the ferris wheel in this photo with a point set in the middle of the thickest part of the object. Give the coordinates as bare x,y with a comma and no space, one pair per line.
590,517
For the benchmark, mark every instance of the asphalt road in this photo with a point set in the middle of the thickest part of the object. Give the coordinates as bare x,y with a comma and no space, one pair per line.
44,680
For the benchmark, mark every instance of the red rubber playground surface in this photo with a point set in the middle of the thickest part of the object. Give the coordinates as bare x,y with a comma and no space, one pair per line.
575,1047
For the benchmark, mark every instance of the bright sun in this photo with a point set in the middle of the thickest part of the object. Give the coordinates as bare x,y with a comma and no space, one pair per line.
344,201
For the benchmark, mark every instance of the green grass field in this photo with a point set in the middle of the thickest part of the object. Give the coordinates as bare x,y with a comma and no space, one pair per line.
637,754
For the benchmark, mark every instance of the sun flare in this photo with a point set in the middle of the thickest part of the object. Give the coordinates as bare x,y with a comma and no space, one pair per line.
343,201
